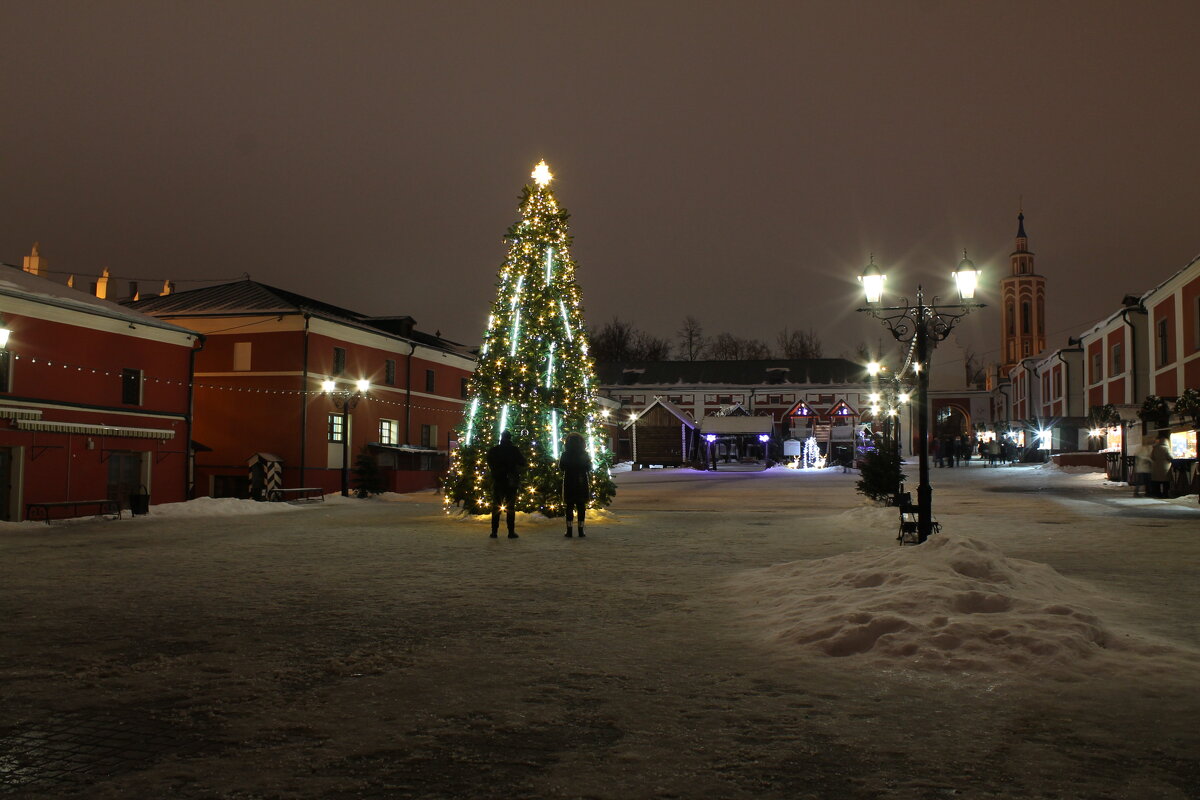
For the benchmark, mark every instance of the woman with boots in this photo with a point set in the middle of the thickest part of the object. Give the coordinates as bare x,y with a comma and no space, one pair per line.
577,471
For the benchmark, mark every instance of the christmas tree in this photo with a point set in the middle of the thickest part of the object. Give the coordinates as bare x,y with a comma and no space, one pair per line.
534,377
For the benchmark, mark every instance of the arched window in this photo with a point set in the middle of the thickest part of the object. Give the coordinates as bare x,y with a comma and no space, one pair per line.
1025,322
1041,320
1011,317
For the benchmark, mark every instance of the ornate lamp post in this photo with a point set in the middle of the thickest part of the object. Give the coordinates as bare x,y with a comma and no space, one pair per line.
921,323
345,401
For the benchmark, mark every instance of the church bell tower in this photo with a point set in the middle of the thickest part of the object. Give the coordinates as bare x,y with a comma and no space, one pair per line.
1023,306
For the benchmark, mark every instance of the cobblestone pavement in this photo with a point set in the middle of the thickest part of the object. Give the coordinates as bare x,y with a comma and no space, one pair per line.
382,650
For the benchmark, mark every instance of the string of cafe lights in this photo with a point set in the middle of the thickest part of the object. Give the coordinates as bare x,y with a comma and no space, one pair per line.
102,371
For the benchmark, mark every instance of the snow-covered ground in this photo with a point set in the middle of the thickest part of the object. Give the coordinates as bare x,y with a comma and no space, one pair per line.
716,635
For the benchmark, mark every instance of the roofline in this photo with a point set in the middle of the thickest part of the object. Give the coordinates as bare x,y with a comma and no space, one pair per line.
99,311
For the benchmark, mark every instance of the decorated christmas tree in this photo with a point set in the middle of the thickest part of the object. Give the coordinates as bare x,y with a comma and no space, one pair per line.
534,377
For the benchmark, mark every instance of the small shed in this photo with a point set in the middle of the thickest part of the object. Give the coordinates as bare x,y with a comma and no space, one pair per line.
664,435
266,474
736,438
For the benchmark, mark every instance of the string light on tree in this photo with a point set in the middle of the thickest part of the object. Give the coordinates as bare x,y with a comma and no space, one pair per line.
534,376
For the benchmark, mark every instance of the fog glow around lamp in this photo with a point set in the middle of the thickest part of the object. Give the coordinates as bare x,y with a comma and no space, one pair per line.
762,437
4,333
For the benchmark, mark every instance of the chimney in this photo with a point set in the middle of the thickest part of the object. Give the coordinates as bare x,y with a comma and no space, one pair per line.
102,285
33,262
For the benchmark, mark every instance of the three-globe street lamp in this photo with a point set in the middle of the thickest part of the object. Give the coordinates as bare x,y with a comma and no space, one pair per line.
921,323
345,401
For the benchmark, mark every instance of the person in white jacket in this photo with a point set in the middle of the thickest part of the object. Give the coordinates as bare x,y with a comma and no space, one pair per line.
1141,468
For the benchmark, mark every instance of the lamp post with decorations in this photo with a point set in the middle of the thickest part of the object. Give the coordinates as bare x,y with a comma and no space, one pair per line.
344,401
922,324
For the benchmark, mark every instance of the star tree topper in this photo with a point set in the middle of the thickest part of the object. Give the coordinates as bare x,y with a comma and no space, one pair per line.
541,173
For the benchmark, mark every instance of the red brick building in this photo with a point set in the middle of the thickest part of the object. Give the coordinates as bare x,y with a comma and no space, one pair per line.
94,398
261,414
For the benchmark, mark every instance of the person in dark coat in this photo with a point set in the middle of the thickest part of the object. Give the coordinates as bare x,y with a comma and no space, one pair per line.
577,472
506,463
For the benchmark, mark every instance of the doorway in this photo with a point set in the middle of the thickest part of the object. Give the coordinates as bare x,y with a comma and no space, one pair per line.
124,476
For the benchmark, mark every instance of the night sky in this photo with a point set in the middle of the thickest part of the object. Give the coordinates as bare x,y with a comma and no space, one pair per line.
733,161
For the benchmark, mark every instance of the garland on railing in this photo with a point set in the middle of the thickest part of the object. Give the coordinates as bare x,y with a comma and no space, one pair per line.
1155,411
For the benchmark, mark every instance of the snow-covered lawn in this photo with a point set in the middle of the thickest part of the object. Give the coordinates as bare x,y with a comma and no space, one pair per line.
716,635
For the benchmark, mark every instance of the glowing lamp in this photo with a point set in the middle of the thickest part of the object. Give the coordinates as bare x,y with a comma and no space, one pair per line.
362,385
328,386
873,397
873,368
966,277
710,437
762,437
541,173
4,332
872,280
905,397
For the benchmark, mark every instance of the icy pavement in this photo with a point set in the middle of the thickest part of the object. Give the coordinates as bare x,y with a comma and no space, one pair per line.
729,635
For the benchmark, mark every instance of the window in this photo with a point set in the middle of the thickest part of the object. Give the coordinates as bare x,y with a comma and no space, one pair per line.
1025,347
334,426
241,356
1196,326
1164,343
5,371
387,431
1025,315
131,387
430,380
1058,390
1011,316
1118,359
339,361
429,436
1097,367
389,372
463,388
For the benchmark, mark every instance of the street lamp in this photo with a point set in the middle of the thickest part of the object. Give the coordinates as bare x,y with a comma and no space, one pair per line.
920,323
345,401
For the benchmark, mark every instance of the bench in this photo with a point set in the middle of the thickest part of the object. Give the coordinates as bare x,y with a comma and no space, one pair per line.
910,523
79,508
303,494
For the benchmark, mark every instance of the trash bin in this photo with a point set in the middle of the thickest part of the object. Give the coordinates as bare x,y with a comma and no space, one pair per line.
139,502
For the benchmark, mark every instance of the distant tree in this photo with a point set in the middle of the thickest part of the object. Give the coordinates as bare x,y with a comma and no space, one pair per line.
882,471
798,344
976,370
691,340
727,347
368,480
613,342
650,348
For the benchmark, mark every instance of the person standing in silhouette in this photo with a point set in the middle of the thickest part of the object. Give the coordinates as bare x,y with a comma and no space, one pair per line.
577,472
506,462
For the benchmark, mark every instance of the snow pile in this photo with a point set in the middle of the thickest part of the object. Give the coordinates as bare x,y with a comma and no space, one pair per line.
624,466
1051,466
219,507
953,603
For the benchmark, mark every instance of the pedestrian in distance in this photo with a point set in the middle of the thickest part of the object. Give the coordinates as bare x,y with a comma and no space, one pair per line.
1141,468
935,451
1160,467
576,486
506,463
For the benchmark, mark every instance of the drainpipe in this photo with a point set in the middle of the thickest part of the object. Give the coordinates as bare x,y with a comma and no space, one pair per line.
1141,309
304,409
408,391
1066,378
189,467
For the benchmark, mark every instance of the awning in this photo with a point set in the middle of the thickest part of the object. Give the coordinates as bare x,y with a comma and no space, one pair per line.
93,430
8,412
406,448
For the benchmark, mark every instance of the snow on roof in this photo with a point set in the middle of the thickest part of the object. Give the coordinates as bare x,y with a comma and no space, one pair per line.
954,603
683,416
17,283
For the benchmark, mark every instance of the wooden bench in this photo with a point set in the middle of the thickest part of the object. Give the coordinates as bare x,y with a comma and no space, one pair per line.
101,508
304,494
